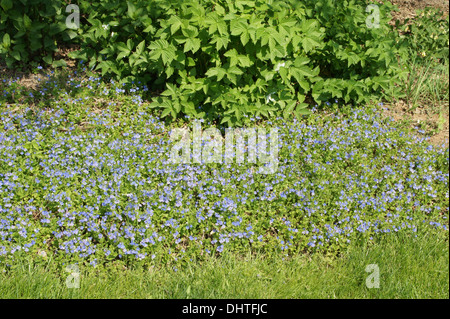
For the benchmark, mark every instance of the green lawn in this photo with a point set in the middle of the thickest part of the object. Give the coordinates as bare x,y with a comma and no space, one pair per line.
408,268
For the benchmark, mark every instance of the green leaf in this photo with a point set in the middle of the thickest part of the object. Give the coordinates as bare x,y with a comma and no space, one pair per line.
131,10
309,44
234,70
161,48
221,41
216,24
6,4
56,28
301,60
217,71
227,119
123,47
72,34
166,112
35,44
26,21
59,63
140,47
122,55
130,44
192,44
175,24
171,90
300,112
289,108
6,41
16,55
238,26
303,71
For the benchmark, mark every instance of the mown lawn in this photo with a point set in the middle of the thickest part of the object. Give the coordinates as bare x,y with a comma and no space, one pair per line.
409,267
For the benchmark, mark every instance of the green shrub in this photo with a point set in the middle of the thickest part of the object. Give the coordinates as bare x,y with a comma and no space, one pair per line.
31,29
115,34
230,59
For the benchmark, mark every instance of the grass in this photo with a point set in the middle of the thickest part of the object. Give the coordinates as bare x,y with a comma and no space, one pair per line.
427,85
409,267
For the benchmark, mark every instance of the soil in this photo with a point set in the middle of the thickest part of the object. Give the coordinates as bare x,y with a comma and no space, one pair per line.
407,8
436,126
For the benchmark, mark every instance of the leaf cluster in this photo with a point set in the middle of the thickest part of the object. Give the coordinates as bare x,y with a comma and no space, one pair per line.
30,31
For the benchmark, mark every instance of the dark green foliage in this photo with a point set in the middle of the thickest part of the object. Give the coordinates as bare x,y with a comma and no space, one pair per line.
31,29
115,35
230,59
223,60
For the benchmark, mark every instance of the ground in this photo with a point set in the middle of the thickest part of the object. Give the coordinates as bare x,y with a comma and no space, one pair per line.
408,7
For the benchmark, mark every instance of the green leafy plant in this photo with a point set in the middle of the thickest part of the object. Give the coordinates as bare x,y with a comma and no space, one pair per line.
115,35
30,30
225,61
252,58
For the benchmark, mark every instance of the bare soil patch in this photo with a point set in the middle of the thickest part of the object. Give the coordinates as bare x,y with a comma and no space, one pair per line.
435,125
408,8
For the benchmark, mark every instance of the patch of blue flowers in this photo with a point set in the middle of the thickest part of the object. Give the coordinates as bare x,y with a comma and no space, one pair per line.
98,186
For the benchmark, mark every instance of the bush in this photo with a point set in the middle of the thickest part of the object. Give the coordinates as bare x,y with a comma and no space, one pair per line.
114,35
31,29
225,60
218,59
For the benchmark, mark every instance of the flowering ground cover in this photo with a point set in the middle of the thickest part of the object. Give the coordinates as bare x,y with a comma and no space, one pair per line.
88,188
94,185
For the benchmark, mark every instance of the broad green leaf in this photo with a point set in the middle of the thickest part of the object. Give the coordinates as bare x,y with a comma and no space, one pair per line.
26,21
6,40
131,10
123,47
140,47
175,24
216,71
130,44
309,44
16,55
71,34
171,90
6,4
161,48
238,27
301,60
192,44
221,41
59,63
166,112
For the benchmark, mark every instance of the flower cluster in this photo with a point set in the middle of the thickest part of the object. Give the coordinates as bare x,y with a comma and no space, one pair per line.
99,186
